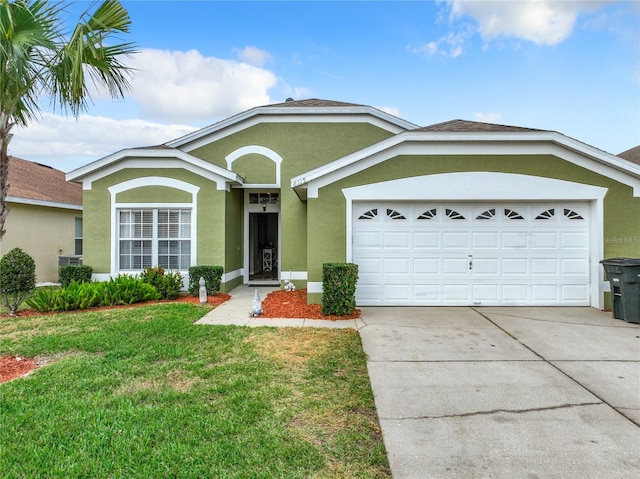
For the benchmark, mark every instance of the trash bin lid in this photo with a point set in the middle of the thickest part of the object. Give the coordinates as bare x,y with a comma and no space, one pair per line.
621,261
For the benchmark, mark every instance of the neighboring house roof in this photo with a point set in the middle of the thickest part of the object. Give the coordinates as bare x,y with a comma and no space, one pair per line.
465,126
632,154
33,183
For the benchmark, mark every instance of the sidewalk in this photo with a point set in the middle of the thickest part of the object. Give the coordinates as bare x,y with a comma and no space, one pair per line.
237,312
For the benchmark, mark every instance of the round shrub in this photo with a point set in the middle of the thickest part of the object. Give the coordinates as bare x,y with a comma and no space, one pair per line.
17,278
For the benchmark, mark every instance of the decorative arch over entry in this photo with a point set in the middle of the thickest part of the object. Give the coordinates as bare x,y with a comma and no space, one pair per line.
257,150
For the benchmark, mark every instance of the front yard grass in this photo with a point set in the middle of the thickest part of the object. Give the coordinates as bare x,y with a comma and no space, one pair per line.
143,392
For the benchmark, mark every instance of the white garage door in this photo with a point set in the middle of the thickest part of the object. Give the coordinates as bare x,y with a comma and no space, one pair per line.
471,254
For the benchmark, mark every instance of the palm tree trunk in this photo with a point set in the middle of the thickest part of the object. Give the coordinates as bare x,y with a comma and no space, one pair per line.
5,137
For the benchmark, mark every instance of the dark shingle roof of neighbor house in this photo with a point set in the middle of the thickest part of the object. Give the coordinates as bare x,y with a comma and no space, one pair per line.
464,126
312,103
34,181
632,154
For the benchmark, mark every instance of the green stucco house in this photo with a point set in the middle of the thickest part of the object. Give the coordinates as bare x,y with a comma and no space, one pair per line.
457,213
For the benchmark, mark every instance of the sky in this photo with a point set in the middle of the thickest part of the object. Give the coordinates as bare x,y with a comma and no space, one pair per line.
563,65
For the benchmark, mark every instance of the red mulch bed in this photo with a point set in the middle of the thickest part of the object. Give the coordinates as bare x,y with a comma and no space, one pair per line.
12,367
293,304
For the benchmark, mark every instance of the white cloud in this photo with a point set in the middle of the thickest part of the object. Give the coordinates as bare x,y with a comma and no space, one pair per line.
488,117
185,87
67,143
451,45
254,56
546,22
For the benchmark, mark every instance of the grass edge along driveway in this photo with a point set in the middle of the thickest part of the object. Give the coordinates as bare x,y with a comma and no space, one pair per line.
143,392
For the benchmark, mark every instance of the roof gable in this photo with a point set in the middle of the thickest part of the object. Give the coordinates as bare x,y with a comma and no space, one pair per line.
32,182
460,137
297,111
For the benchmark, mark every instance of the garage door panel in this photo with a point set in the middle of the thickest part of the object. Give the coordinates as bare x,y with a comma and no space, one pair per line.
489,266
455,239
485,240
455,292
515,266
515,240
578,266
367,239
420,253
574,240
397,266
396,239
515,294
428,240
426,293
544,240
544,266
368,266
574,293
455,266
544,293
425,266
486,292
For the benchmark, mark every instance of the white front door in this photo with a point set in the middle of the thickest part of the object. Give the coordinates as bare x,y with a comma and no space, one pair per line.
422,253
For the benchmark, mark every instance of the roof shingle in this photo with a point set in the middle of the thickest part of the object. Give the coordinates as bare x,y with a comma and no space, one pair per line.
34,181
632,154
313,103
464,126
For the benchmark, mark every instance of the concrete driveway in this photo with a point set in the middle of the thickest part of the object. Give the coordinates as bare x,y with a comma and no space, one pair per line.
505,392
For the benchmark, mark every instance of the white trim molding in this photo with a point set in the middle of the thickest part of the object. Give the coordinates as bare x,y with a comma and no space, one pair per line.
153,159
152,181
314,287
491,186
256,150
473,144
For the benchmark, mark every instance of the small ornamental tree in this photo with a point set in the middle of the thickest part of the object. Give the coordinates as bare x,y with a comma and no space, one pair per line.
17,279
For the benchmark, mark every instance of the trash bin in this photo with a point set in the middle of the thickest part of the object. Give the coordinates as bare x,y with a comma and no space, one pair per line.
624,277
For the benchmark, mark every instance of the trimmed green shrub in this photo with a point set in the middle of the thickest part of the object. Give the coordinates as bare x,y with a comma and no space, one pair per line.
339,288
212,279
123,290
17,278
168,283
80,273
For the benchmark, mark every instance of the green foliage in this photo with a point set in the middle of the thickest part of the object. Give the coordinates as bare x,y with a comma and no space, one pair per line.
212,278
74,272
339,288
168,283
123,290
17,278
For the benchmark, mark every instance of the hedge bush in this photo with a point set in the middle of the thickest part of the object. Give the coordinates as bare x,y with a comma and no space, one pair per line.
339,288
74,272
17,278
212,279
168,283
123,290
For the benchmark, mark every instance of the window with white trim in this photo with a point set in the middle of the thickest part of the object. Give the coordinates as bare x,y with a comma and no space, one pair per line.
154,237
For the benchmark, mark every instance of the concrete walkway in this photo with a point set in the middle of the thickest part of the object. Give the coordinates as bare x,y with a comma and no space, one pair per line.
237,311
494,392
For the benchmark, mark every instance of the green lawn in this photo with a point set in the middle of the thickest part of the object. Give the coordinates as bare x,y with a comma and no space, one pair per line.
143,392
